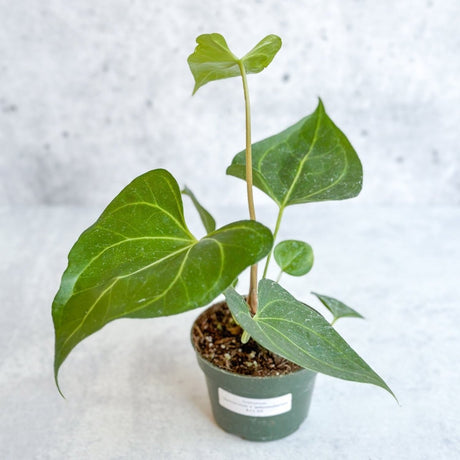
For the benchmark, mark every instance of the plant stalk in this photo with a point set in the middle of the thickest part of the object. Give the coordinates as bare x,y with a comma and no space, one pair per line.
275,234
252,296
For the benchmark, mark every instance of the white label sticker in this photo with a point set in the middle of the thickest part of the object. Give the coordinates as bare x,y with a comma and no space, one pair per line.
255,407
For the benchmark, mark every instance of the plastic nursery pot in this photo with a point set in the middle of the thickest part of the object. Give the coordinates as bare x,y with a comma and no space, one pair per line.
258,408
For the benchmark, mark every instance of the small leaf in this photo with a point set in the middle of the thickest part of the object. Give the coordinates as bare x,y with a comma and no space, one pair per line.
337,308
139,260
310,161
208,221
294,257
212,59
262,54
296,332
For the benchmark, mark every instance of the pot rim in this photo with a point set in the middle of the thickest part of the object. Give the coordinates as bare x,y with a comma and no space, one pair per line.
235,374
252,377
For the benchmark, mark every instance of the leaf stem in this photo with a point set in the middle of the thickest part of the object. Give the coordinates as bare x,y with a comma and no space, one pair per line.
275,234
252,296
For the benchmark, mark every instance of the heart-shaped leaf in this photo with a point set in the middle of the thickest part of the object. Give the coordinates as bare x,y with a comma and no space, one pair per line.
310,161
294,257
213,60
296,332
208,221
139,260
337,308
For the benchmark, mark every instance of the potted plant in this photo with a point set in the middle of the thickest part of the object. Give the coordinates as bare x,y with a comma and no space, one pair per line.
260,353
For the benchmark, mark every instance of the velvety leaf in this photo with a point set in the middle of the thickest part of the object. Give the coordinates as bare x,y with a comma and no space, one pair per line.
294,257
213,60
296,332
337,308
310,161
139,260
208,221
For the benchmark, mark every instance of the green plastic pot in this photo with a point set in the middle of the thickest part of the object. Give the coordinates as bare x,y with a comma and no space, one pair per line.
258,408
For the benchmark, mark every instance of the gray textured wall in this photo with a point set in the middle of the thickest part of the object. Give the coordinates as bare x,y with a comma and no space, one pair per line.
94,93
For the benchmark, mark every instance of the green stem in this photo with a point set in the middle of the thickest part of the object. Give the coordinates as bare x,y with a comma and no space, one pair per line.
245,337
275,234
252,296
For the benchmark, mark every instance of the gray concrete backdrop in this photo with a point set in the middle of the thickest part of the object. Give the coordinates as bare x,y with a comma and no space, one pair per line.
94,93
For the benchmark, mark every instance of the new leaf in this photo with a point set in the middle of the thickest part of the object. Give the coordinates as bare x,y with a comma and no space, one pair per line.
139,260
213,60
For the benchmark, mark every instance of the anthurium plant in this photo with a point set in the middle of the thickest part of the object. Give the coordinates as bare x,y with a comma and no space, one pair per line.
140,260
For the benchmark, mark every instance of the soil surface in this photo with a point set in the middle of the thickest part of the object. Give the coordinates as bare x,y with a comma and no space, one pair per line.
218,339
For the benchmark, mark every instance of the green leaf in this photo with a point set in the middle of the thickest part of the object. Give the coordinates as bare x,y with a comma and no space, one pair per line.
139,260
213,60
294,257
296,332
337,308
208,221
262,54
310,161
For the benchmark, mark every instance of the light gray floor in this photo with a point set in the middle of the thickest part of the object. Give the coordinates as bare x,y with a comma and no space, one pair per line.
128,399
